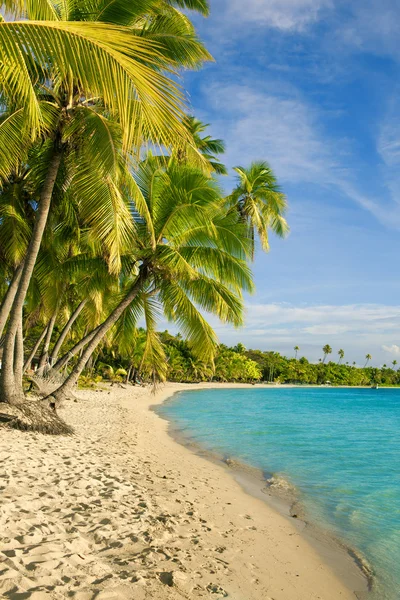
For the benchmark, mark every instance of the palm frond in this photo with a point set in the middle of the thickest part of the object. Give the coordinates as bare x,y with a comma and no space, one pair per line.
103,209
215,298
99,138
41,10
154,360
175,34
103,60
15,229
201,6
220,265
194,327
117,12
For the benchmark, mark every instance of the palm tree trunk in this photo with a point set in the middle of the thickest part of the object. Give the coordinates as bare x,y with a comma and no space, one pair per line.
66,330
35,349
19,356
10,390
45,352
65,389
81,350
8,299
68,355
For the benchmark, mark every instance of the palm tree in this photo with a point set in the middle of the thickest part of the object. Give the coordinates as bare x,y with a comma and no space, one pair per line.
341,355
240,348
207,146
72,85
394,363
296,350
198,150
188,255
260,202
16,222
368,358
326,350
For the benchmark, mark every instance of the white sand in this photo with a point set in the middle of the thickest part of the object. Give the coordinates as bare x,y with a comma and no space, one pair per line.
122,511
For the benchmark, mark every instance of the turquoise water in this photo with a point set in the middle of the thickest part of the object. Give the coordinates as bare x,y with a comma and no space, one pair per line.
339,447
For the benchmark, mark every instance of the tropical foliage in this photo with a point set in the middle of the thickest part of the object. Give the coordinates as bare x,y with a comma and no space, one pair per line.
110,212
235,364
281,369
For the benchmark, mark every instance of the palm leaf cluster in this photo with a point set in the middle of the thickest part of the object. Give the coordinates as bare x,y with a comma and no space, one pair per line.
98,234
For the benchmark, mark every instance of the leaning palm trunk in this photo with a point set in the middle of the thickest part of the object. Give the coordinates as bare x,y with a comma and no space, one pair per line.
8,299
19,356
11,390
35,349
66,388
60,364
65,331
45,352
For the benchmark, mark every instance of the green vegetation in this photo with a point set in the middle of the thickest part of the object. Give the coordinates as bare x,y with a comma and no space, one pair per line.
236,364
98,233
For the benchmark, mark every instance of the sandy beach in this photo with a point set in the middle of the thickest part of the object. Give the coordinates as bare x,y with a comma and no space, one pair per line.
120,510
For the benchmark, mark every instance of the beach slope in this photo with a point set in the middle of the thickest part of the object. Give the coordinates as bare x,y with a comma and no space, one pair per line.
122,511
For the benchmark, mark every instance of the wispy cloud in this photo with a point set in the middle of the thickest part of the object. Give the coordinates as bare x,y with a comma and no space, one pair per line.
282,127
323,319
358,26
358,328
288,130
285,15
393,349
370,26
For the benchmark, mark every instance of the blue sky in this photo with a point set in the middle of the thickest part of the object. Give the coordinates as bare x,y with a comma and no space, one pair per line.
313,87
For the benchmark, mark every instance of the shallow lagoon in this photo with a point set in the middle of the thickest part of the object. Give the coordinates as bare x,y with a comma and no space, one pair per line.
339,447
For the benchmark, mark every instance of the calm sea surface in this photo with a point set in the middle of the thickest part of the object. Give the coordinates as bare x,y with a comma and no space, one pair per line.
339,447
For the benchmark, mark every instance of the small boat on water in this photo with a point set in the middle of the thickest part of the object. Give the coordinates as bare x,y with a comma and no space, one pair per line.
375,386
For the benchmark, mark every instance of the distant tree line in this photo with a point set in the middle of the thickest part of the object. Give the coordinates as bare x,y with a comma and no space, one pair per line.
232,364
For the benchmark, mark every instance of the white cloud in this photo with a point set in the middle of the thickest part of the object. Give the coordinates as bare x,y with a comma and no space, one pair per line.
388,146
281,127
357,328
285,15
287,130
371,26
393,349
324,319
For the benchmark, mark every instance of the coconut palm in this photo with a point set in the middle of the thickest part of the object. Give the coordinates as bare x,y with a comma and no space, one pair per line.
296,350
326,350
208,147
394,363
240,348
16,221
198,150
188,256
260,202
341,355
75,78
368,357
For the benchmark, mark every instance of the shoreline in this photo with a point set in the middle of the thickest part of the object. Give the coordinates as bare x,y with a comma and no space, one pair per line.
282,501
279,495
122,511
